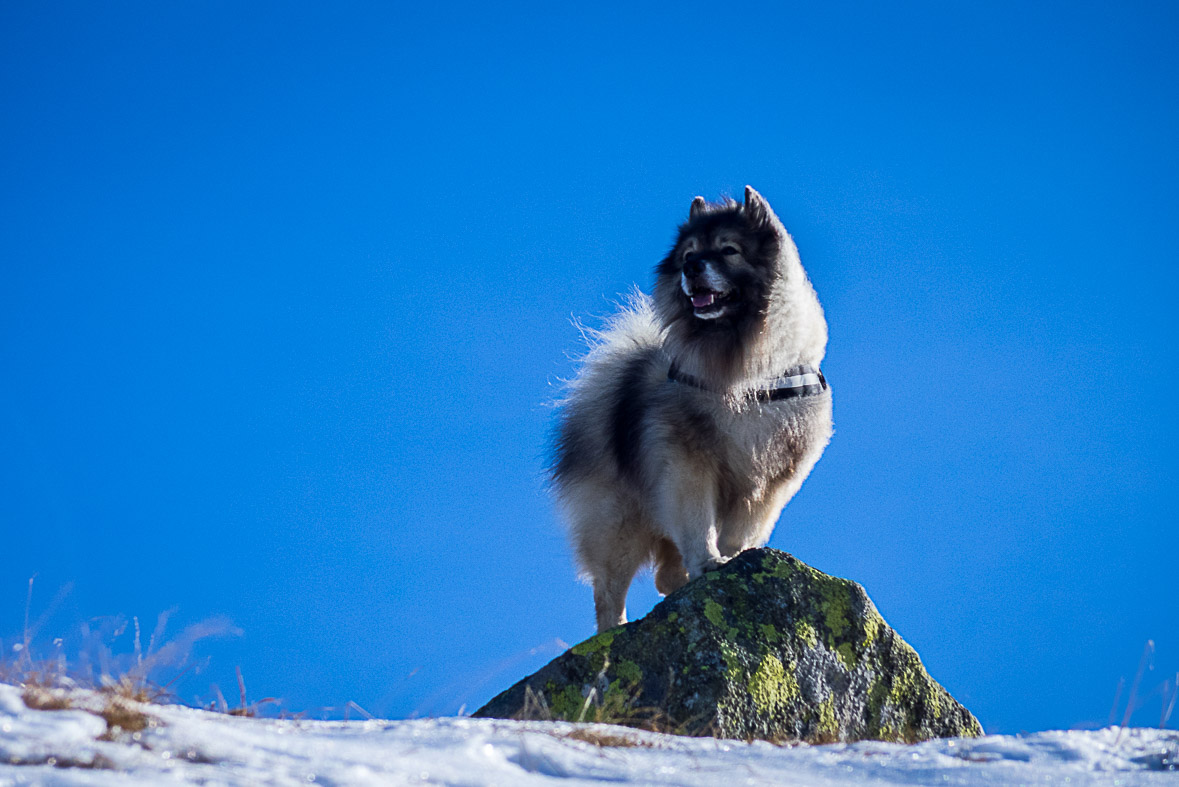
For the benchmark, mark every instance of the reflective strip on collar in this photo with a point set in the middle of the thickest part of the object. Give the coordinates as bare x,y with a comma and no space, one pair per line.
801,381
793,381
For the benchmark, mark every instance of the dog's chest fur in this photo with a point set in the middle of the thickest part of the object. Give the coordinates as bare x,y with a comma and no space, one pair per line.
750,450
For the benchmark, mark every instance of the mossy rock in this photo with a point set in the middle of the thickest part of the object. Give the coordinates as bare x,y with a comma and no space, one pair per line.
765,647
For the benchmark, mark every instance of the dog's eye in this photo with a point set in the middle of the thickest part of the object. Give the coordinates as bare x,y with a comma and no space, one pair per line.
730,250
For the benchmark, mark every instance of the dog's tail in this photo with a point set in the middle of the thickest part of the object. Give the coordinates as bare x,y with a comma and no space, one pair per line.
622,359
634,331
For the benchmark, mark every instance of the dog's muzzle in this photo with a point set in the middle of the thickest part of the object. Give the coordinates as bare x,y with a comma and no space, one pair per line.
707,290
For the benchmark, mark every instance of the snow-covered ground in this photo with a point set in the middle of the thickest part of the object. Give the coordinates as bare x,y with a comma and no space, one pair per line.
183,745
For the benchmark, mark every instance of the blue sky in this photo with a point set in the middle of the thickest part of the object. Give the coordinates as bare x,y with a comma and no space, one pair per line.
287,289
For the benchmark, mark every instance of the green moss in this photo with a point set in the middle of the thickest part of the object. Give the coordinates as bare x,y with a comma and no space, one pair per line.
594,644
912,688
772,686
673,617
570,702
971,729
836,605
901,691
715,613
913,693
775,568
616,704
806,632
846,655
712,576
827,727
906,683
872,624
933,701
769,633
567,704
732,661
629,671
877,695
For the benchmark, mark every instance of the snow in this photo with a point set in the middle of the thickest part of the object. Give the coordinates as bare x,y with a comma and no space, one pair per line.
185,745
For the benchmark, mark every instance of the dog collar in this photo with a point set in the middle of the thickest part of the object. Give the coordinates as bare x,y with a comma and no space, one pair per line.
804,380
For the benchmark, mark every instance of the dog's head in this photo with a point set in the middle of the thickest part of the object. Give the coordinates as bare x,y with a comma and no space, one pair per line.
713,288
733,296
717,275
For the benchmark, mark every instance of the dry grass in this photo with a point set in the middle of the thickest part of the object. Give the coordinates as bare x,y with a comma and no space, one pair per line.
619,713
604,738
115,687
249,709
821,739
1168,692
120,702
123,716
40,697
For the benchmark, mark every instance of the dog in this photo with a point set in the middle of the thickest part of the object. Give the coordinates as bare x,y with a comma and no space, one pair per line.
697,413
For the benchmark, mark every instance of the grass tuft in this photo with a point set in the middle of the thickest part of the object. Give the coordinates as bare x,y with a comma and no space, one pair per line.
123,716
617,712
604,738
40,697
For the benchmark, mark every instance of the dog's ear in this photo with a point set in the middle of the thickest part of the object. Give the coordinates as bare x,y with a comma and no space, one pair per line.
697,209
759,211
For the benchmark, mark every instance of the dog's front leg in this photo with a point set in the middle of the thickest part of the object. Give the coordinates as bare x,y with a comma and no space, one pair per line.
687,514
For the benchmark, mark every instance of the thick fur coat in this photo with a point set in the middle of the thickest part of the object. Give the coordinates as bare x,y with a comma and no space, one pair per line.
685,473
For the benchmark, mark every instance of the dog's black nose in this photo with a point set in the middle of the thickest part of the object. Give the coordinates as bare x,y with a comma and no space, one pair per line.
693,267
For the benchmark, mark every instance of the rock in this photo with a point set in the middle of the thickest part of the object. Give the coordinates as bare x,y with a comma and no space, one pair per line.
765,647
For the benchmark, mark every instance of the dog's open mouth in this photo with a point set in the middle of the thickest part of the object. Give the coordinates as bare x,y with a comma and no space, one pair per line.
710,304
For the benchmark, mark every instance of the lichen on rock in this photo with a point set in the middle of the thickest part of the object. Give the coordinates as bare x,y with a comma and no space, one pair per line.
764,647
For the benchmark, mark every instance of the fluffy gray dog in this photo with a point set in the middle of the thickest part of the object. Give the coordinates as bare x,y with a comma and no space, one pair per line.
696,414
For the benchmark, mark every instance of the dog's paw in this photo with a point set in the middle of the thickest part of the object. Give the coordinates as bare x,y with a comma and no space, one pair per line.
714,564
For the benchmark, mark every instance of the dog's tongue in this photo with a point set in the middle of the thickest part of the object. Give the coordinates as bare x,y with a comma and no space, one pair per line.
705,299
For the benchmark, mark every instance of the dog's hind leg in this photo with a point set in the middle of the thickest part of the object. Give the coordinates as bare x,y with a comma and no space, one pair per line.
670,574
610,547
612,578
